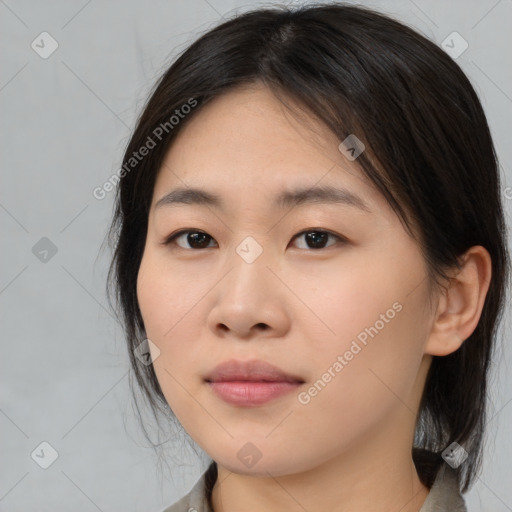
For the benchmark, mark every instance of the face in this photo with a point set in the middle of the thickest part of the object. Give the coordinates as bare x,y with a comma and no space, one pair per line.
330,289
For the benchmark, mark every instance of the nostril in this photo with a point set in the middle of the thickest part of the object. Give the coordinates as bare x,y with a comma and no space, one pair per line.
262,326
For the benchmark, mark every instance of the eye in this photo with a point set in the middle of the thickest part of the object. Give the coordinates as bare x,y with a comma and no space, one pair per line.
313,238
317,238
195,239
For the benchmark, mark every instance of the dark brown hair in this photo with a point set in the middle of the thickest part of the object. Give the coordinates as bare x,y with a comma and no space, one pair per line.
428,150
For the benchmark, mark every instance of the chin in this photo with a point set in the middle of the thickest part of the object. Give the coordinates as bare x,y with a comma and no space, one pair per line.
279,464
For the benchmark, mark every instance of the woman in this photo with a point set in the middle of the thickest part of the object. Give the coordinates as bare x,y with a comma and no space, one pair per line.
311,265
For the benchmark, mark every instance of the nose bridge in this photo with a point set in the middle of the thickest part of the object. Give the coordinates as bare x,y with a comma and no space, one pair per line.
251,250
248,297
249,261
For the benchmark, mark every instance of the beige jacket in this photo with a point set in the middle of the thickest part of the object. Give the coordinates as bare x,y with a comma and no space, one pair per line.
444,496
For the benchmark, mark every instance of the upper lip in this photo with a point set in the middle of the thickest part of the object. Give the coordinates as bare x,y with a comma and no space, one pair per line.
253,370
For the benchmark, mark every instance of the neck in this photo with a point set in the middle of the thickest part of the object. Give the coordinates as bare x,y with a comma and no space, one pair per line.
375,476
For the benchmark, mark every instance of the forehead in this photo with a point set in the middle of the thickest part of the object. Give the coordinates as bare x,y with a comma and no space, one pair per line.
247,144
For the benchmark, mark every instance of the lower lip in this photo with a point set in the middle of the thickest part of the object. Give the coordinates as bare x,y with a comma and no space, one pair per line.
244,393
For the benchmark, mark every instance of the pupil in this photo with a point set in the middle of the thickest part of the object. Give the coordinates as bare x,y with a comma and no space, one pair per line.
316,239
198,239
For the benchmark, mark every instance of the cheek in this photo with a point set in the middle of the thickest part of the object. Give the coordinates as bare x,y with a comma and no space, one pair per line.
373,330
164,295
167,301
357,387
149,293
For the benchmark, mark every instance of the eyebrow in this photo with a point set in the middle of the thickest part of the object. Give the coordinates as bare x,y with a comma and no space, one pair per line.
297,196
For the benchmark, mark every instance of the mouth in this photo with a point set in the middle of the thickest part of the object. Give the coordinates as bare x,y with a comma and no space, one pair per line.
250,383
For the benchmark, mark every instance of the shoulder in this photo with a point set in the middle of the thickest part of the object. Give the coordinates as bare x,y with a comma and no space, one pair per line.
196,500
445,495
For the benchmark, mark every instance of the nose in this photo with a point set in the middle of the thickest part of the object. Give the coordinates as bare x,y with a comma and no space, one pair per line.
250,301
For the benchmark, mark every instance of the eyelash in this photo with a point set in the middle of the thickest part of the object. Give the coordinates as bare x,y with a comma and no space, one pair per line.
171,240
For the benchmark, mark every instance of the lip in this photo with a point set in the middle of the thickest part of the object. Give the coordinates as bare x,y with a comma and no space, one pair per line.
250,383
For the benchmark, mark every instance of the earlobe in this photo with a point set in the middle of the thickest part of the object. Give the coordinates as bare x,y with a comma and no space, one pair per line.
460,303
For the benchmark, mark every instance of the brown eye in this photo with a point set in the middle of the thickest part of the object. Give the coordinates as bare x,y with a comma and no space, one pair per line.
194,239
317,239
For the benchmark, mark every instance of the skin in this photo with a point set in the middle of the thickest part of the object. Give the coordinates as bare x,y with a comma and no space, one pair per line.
349,447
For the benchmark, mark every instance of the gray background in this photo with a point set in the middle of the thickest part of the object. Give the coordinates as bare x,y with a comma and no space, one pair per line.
65,122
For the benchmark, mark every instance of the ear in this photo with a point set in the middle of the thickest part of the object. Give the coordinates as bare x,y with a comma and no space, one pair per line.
460,303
